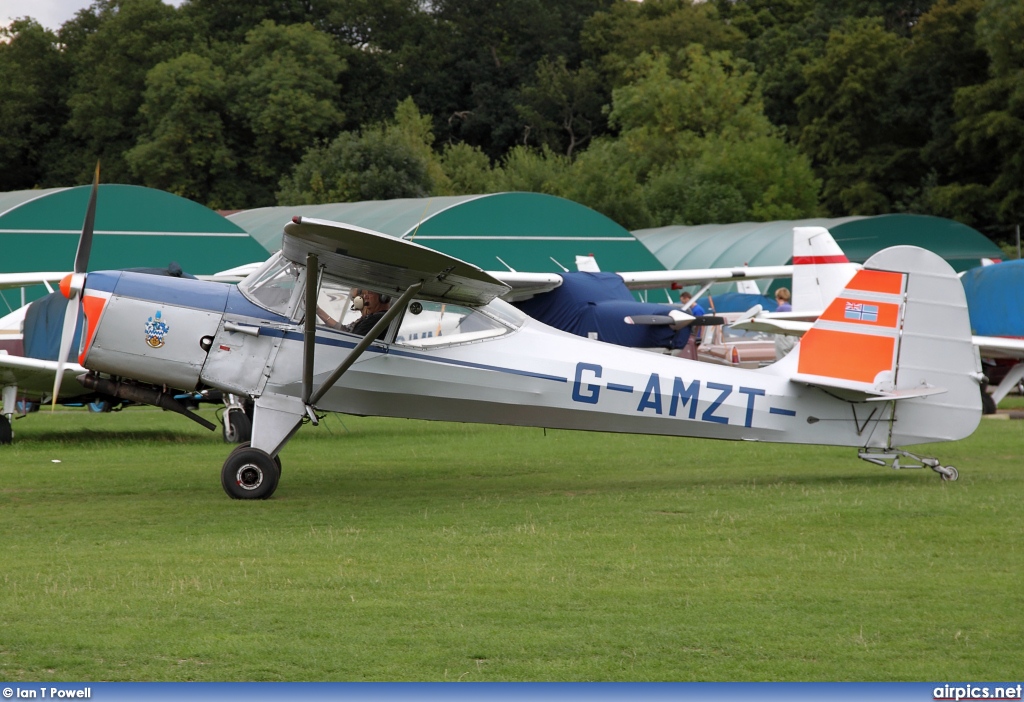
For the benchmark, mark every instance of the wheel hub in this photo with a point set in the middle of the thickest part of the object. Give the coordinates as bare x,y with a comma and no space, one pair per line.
249,477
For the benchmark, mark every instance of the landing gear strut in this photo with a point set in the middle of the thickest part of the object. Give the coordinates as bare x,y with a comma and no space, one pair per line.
891,458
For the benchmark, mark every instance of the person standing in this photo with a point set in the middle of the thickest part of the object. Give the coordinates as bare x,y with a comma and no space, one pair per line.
784,343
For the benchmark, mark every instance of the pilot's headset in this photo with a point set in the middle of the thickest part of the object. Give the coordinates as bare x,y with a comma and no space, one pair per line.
384,298
357,301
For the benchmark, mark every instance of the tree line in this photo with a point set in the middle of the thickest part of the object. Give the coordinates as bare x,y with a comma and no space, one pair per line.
654,113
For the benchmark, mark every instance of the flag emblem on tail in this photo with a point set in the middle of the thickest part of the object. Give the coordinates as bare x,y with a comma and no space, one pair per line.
861,312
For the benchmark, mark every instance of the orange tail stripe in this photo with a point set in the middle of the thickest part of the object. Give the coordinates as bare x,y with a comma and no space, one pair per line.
877,281
836,354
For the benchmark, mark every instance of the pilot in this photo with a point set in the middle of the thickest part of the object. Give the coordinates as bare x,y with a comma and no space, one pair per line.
375,306
355,295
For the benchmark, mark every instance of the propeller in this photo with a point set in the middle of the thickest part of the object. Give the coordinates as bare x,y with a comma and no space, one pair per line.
72,285
658,320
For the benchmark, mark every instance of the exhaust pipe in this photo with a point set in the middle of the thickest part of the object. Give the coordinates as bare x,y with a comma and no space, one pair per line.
144,395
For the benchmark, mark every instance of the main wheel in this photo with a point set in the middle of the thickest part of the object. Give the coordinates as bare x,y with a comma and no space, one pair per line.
6,433
950,473
237,427
250,474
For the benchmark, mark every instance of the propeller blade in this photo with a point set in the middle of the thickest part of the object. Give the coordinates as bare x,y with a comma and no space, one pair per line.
85,240
66,336
73,285
708,320
650,320
664,320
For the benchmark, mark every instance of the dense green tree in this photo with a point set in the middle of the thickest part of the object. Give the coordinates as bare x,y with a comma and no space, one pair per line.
490,51
942,57
990,126
849,126
562,108
110,67
32,95
614,38
284,98
379,162
467,170
694,146
231,20
184,147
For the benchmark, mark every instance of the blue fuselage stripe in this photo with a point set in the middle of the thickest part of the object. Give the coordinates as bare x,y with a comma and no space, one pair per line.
322,340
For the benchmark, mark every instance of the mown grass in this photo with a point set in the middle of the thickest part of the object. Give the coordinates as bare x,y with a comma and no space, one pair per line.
399,550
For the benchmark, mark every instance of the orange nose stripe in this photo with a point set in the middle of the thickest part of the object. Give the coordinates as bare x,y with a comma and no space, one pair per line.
93,308
65,286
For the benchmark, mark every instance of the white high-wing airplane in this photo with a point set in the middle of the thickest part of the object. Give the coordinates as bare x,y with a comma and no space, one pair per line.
903,372
817,284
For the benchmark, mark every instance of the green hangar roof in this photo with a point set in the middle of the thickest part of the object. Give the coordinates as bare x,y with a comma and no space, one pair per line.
771,243
135,227
523,231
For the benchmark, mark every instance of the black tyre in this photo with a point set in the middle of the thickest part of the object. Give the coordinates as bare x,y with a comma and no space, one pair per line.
237,427
988,404
6,433
249,474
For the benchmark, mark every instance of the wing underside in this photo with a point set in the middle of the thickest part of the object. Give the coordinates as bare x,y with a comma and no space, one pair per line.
378,261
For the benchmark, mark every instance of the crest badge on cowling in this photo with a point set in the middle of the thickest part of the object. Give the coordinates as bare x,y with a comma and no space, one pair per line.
156,330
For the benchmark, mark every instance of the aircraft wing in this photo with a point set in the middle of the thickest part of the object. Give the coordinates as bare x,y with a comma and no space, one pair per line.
999,347
526,285
378,261
775,324
34,377
646,280
988,346
17,280
232,275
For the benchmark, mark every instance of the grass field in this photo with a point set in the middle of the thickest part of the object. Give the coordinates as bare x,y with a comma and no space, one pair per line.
399,550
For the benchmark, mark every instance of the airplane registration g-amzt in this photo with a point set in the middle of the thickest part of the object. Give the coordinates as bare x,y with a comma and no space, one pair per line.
889,364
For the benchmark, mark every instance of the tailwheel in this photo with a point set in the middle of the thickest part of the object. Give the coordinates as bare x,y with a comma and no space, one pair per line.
250,474
947,472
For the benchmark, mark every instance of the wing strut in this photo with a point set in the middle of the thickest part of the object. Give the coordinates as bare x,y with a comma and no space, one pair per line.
371,336
308,348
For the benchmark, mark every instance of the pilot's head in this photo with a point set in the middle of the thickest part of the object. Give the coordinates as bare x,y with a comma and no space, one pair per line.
372,302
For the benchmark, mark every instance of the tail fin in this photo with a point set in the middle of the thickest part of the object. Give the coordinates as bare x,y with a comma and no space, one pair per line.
900,331
820,268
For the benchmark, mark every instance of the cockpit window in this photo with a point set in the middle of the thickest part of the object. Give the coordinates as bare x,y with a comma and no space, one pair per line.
275,286
440,323
339,304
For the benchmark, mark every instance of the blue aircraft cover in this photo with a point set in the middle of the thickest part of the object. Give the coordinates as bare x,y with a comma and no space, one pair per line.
44,319
44,322
599,302
995,298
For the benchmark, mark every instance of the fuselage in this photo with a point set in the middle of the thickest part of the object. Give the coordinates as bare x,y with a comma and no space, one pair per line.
187,334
